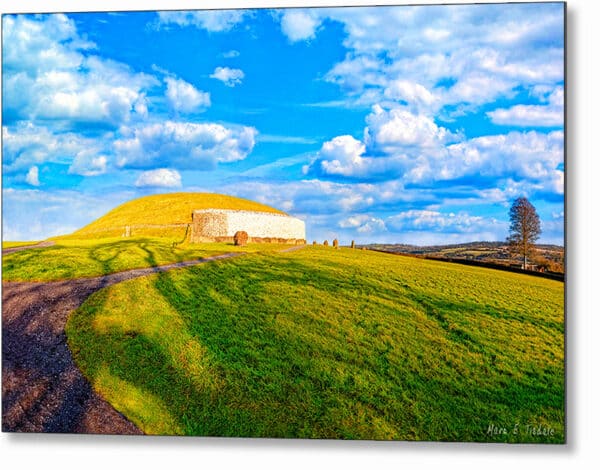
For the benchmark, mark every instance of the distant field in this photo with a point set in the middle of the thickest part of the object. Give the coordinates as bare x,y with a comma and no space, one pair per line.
70,259
549,258
16,244
324,343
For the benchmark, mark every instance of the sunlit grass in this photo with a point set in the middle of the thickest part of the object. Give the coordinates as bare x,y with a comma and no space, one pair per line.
324,343
70,259
17,244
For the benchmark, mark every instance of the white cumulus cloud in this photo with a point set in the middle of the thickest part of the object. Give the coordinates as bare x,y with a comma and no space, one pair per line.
36,45
342,156
183,145
398,128
26,144
549,114
437,221
464,55
50,74
363,224
532,155
412,93
397,143
528,115
230,77
89,163
162,177
213,21
299,25
183,96
412,148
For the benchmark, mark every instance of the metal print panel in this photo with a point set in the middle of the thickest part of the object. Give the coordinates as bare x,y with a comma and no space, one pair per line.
330,223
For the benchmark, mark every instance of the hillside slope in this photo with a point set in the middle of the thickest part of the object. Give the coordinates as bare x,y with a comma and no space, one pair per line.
165,209
325,343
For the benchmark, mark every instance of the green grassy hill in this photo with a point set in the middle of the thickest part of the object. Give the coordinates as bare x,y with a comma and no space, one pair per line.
100,248
324,343
163,209
75,258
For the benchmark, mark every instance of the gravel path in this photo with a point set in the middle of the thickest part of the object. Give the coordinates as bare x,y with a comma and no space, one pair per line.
42,388
6,251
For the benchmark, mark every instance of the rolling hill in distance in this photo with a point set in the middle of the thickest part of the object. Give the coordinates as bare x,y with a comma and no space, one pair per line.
548,257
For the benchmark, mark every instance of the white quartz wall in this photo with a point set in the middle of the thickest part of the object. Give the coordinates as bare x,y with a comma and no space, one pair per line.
256,224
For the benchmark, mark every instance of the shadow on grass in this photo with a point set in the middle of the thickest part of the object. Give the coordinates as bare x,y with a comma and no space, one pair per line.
294,350
93,258
105,254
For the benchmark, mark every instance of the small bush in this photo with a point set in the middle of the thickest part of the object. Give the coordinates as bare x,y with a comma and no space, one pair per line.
240,238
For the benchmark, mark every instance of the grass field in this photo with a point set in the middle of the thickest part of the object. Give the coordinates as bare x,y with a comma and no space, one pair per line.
324,343
16,244
70,259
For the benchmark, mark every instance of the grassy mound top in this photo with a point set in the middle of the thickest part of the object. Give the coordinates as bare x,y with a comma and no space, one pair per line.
174,208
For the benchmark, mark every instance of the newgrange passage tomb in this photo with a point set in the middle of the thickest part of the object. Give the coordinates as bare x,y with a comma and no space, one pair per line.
197,217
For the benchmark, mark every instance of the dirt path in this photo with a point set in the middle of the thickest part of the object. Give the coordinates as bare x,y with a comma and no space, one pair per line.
294,248
6,251
42,388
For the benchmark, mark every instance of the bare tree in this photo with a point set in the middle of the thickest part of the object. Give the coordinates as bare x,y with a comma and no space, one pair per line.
524,228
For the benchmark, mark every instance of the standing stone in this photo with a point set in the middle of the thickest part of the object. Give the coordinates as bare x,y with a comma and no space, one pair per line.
325,243
314,243
127,231
352,245
335,243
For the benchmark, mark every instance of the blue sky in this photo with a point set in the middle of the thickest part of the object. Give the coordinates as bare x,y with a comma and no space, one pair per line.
398,124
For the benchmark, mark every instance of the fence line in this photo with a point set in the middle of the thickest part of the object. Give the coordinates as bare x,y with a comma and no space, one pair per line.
136,226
